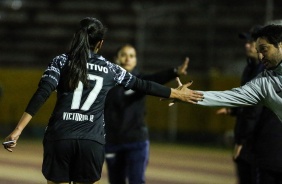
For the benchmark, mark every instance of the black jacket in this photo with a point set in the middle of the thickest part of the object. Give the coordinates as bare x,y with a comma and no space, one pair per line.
247,117
125,111
268,141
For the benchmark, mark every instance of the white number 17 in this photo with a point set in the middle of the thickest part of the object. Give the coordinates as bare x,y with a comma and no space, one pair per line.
92,95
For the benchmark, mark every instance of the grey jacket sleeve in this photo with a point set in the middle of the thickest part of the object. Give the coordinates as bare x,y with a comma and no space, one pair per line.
241,96
259,91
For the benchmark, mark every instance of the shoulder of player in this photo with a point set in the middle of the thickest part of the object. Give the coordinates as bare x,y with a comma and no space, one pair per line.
59,60
61,57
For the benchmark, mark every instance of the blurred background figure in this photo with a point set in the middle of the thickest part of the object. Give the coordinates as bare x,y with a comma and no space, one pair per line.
127,136
246,117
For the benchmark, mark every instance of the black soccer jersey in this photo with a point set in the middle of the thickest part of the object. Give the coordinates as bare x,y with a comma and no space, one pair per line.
79,114
125,110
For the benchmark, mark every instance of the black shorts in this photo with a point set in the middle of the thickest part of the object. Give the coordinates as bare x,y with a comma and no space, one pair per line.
73,160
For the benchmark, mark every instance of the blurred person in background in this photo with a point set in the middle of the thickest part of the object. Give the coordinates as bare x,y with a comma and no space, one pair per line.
74,138
127,136
246,117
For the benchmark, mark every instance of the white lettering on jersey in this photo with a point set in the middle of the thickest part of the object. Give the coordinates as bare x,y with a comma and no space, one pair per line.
77,117
99,68
91,96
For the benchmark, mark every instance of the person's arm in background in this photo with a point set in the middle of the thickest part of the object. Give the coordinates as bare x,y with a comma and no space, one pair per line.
129,81
245,126
246,120
228,111
165,76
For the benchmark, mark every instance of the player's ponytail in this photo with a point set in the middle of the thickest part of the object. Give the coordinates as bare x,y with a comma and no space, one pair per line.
91,31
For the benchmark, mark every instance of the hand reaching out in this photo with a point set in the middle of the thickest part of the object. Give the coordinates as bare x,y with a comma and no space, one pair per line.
183,93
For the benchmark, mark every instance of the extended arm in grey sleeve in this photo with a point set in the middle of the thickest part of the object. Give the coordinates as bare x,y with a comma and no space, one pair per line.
242,96
254,92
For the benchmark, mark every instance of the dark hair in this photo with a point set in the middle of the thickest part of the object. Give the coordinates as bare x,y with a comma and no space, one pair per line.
122,46
90,32
273,34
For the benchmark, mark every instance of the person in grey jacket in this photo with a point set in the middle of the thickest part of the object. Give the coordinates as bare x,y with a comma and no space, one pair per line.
266,88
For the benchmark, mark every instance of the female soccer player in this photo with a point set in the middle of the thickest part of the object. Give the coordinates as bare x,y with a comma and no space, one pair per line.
74,138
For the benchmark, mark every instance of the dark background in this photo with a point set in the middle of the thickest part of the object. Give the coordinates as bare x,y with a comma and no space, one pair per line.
164,32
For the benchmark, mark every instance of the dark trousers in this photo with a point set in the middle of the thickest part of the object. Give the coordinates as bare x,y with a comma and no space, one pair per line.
127,162
265,176
246,172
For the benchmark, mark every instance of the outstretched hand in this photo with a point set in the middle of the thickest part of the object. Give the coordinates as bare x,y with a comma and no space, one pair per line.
183,93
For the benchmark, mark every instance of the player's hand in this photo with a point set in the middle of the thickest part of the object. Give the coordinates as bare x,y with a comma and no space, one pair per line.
14,136
183,93
182,69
